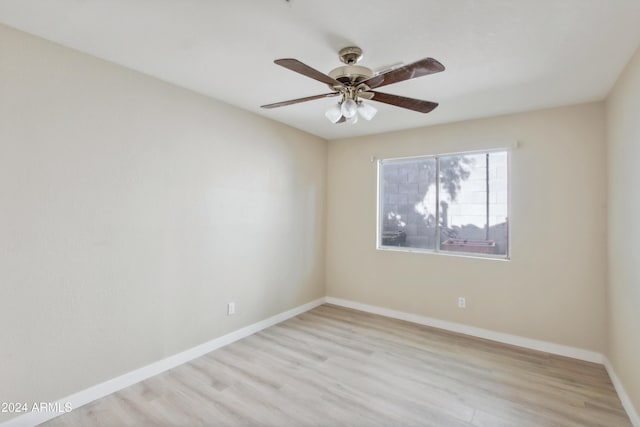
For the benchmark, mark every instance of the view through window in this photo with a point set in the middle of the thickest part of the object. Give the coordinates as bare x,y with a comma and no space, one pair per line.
454,203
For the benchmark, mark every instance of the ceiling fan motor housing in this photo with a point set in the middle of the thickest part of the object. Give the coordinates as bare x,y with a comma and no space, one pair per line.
351,74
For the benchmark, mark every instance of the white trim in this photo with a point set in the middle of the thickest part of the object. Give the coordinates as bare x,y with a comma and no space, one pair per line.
548,347
408,249
622,394
111,386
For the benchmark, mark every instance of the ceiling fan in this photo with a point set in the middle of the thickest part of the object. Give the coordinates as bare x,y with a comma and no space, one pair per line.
354,83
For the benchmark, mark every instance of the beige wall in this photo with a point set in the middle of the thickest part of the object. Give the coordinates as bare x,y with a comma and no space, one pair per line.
553,289
623,139
131,212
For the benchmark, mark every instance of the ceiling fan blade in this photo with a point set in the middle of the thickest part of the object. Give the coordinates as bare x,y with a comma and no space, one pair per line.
305,70
295,101
417,69
404,102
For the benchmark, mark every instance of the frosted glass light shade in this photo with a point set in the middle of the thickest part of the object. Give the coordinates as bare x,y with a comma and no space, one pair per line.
334,113
366,111
349,108
353,120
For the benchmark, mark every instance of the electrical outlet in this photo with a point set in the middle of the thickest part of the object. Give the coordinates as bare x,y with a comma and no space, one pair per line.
462,302
231,308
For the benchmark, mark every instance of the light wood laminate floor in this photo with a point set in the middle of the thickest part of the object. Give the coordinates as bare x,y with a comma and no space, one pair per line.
333,366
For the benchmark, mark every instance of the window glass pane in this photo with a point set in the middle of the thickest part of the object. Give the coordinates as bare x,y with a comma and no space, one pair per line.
473,203
408,211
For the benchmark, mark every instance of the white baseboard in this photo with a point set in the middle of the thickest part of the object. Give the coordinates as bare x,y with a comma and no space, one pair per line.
548,347
111,386
622,394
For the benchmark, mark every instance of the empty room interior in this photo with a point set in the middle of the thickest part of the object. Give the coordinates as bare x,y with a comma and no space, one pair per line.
305,213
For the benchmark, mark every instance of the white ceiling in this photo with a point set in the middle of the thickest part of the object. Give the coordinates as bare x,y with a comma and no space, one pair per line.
502,56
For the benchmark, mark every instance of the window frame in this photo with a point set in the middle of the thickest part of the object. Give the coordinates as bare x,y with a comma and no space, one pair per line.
437,250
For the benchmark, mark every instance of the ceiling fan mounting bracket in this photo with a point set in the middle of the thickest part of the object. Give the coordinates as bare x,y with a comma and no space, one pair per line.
350,55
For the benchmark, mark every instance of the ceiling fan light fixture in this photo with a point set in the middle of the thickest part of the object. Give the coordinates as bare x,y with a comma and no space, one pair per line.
349,108
366,111
334,113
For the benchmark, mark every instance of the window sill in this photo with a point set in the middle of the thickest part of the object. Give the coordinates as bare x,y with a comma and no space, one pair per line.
443,253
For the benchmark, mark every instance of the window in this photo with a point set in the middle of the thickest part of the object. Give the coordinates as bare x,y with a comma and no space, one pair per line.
451,204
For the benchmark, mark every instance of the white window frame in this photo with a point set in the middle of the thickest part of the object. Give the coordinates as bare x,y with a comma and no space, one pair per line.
436,250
